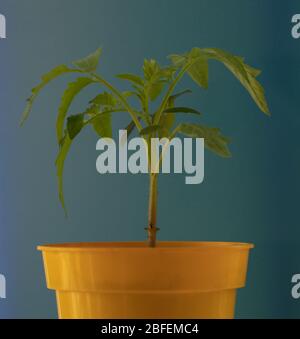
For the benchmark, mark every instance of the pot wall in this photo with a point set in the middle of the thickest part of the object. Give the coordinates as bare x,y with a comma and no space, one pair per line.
130,280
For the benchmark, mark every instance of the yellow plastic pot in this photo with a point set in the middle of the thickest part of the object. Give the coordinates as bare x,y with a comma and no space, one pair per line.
130,280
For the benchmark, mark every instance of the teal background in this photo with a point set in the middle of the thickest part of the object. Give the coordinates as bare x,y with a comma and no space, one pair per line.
252,197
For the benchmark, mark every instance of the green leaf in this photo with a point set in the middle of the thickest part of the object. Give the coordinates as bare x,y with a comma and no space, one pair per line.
150,129
179,94
213,139
167,121
181,110
60,162
155,89
251,70
100,120
132,78
92,109
104,99
156,77
244,73
102,125
46,78
75,124
89,63
128,94
168,72
152,70
199,69
178,60
258,94
72,90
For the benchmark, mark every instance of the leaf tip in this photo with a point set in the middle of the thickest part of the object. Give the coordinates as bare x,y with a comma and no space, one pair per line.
268,112
22,122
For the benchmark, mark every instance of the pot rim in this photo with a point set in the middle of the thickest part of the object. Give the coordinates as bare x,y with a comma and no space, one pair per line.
140,245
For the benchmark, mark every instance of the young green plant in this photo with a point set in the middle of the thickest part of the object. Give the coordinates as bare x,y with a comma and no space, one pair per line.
157,82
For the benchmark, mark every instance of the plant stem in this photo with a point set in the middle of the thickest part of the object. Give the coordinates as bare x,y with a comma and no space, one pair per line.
169,93
121,98
179,76
152,229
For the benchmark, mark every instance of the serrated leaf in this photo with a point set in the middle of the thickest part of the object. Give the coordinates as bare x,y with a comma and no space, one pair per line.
89,63
155,78
244,73
92,109
151,69
104,99
199,69
181,110
153,72
72,90
213,139
155,89
132,78
258,95
75,124
46,78
60,162
253,71
102,125
178,60
167,73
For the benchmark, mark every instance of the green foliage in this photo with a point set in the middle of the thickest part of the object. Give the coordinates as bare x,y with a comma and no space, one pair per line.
46,78
135,79
89,63
104,99
150,129
244,73
197,64
102,125
72,90
213,138
178,95
181,110
168,118
102,106
155,78
75,124
60,162
155,82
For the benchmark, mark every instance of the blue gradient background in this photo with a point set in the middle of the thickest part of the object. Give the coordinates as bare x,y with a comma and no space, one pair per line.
252,197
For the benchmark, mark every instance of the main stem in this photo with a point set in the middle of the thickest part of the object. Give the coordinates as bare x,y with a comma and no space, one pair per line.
152,229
